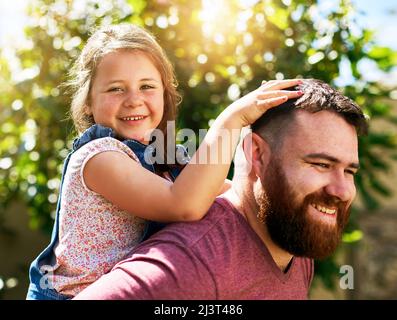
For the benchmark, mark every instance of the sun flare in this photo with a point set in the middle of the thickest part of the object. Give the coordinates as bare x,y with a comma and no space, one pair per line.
216,17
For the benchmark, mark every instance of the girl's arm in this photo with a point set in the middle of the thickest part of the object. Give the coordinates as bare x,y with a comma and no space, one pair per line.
134,189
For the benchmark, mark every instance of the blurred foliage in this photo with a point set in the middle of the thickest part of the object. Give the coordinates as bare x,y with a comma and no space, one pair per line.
220,49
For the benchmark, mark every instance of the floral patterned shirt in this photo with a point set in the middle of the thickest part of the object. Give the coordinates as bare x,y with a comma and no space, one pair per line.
94,234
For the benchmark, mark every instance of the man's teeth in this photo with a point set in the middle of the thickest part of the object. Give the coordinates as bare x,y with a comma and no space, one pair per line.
133,118
324,209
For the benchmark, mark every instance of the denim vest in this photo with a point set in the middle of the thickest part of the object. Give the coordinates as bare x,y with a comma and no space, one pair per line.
40,288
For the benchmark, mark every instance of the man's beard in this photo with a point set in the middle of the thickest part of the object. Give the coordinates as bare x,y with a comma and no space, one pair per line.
288,222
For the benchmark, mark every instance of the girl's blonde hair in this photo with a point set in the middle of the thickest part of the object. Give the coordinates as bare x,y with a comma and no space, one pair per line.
108,39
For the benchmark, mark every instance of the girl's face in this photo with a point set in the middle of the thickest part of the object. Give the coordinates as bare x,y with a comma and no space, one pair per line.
127,95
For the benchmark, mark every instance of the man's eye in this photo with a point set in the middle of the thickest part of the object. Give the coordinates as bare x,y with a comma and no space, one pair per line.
321,165
353,173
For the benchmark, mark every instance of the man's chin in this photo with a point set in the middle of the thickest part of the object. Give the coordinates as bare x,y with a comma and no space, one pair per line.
318,240
319,247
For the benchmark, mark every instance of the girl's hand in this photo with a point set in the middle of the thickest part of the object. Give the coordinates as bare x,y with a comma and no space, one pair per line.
249,108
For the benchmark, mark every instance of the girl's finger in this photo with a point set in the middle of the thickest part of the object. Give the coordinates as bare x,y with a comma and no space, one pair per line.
266,84
270,103
281,84
278,93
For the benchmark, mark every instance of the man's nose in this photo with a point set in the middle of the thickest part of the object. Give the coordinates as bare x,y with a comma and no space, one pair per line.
341,187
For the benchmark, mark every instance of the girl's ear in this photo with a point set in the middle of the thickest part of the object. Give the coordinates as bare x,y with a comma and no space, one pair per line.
87,110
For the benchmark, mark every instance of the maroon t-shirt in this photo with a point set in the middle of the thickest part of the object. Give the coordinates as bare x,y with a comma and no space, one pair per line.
219,257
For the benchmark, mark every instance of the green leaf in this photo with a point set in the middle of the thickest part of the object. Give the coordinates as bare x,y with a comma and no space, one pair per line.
378,53
384,56
353,236
137,6
279,18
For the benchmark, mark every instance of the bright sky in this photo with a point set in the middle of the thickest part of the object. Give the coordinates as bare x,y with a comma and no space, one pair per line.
381,16
378,15
12,20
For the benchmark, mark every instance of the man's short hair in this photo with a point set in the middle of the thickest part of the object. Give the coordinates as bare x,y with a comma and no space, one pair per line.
317,96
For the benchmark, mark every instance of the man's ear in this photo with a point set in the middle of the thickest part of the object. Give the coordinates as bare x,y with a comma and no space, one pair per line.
257,153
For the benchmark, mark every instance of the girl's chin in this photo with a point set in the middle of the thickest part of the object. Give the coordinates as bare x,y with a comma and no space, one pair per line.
137,138
132,136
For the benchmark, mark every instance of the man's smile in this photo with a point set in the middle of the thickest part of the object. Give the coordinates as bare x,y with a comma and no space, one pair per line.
324,209
320,212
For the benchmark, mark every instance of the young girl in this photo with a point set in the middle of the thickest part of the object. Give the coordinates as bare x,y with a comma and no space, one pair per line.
124,89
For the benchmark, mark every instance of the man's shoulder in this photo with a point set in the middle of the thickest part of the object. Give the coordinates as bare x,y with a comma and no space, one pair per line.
220,218
180,261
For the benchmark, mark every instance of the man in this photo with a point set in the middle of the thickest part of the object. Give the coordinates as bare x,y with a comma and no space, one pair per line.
289,202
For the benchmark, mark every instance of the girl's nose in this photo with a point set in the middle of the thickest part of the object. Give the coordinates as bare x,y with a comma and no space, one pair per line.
133,99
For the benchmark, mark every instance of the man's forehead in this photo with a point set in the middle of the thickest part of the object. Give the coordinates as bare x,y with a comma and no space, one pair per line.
305,117
323,132
313,123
